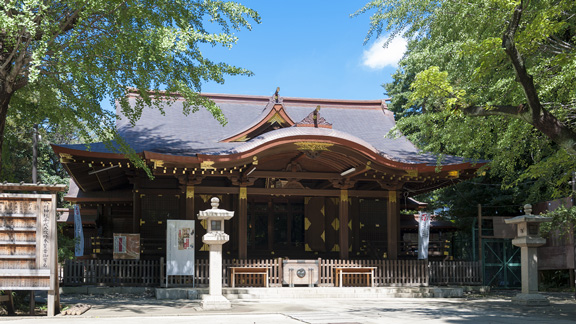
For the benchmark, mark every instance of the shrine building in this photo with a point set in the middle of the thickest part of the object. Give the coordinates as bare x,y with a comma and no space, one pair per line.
306,178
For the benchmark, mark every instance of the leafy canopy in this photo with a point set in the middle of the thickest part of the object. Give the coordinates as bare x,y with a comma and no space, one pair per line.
489,79
60,59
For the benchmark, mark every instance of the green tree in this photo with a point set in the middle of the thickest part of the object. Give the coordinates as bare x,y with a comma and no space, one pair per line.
18,159
60,59
488,79
510,58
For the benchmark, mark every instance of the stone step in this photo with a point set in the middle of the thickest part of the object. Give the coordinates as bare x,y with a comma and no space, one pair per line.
315,292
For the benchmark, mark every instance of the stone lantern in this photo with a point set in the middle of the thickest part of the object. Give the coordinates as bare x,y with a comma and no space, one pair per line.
528,239
215,237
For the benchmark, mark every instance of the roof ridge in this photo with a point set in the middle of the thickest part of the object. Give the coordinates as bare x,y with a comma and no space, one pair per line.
325,102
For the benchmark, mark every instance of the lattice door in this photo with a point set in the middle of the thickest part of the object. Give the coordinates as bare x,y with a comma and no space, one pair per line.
502,267
156,209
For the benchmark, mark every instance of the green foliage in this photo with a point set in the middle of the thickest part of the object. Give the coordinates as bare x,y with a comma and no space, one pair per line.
462,200
431,84
17,151
66,245
554,280
456,60
464,40
18,163
60,59
560,217
408,212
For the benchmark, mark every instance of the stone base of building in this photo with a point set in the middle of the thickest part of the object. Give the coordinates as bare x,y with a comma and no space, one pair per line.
531,300
210,302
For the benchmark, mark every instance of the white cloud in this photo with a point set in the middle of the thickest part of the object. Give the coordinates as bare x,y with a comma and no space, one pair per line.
378,57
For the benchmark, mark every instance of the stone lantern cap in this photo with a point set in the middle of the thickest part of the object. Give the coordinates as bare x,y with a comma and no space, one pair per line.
528,218
528,228
215,213
215,218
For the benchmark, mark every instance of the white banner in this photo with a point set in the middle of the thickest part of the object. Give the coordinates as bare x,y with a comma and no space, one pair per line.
423,235
78,233
180,247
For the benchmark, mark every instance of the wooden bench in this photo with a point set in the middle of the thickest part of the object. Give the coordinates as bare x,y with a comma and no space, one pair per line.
340,272
247,272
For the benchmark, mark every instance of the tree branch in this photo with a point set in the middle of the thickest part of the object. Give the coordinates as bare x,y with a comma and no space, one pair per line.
507,110
525,79
21,61
546,123
13,52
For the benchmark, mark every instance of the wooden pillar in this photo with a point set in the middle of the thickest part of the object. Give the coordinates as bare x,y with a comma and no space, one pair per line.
136,210
270,225
480,251
7,297
289,219
189,205
393,221
343,215
53,296
354,215
243,223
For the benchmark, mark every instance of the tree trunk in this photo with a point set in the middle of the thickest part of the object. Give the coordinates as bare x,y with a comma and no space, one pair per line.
559,133
4,101
539,117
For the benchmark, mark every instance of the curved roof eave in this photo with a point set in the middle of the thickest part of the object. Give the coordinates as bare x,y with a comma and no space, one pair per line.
294,135
59,149
286,133
284,136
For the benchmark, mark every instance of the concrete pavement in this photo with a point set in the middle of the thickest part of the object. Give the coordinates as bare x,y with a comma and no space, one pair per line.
493,308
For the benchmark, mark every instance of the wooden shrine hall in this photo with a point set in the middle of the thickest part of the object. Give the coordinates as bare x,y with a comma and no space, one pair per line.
306,178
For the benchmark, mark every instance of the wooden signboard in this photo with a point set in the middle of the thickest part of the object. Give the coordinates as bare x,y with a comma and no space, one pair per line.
28,241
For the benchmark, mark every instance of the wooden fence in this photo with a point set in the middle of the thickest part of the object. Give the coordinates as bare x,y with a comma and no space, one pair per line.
387,272
455,273
112,272
202,277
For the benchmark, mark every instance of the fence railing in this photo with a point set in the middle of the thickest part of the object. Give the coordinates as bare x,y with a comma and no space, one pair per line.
151,272
111,272
455,272
202,269
387,272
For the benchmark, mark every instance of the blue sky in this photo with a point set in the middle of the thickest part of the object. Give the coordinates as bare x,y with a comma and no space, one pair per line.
308,48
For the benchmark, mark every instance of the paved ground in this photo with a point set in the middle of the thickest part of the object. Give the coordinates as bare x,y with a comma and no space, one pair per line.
494,308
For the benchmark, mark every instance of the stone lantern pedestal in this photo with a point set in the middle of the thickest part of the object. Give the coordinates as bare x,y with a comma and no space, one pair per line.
215,238
528,239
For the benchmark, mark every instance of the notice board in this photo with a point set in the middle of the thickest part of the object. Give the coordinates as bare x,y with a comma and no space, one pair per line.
180,247
126,246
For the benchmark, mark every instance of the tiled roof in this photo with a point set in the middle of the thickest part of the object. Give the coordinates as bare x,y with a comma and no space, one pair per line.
364,122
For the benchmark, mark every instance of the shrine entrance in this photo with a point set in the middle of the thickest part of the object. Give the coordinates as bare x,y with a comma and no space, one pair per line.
373,228
276,224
